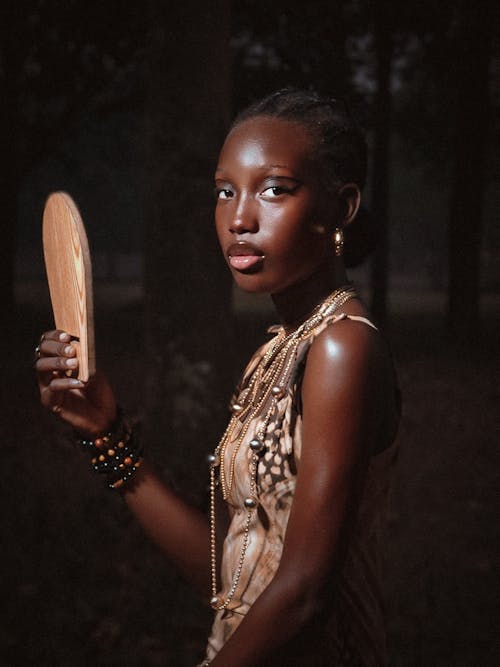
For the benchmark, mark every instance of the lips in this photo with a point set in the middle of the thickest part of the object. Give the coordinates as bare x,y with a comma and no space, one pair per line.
244,256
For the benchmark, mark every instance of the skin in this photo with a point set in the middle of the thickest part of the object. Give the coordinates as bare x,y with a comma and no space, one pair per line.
269,195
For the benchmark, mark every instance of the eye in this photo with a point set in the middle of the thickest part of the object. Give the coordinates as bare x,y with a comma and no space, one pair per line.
275,191
279,188
223,193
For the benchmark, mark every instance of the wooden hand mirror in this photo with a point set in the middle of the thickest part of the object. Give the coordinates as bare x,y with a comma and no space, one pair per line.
69,274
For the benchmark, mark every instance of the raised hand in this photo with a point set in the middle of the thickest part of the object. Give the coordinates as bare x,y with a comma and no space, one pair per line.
89,407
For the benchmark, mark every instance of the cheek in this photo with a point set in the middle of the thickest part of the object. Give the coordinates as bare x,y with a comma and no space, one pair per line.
313,250
301,249
317,234
310,241
220,227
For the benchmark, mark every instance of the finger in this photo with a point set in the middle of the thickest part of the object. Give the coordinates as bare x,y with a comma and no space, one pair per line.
53,395
56,364
66,399
65,384
52,348
52,400
56,334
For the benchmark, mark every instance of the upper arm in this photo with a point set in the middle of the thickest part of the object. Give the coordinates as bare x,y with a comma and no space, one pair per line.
340,419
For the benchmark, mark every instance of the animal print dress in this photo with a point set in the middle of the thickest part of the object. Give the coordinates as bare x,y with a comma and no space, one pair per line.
351,630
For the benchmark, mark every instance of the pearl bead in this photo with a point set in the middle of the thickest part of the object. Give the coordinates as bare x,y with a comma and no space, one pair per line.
256,445
213,460
236,407
215,601
250,502
277,392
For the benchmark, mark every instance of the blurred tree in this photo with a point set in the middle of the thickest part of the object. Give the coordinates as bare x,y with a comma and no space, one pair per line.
57,61
383,26
444,112
470,55
188,321
300,44
9,169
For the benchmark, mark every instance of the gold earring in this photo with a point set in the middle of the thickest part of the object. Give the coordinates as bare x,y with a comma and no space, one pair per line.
338,241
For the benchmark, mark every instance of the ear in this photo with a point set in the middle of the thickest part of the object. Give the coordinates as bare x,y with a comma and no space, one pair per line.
349,201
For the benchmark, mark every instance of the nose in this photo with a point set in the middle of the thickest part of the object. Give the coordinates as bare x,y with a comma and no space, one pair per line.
244,220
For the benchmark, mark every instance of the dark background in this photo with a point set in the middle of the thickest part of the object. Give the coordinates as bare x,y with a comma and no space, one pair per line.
124,105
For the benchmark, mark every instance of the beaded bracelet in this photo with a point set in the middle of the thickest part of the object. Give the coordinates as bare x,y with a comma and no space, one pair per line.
117,454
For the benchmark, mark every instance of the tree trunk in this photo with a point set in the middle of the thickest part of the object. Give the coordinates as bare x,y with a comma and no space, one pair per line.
381,158
188,321
9,168
470,61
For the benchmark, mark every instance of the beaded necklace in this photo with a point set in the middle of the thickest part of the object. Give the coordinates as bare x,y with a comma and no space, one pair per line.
266,386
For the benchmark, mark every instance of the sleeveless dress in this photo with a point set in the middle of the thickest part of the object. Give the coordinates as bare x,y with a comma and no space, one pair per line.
350,630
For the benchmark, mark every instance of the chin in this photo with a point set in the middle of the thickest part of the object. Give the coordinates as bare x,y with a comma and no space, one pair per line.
249,288
269,282
253,283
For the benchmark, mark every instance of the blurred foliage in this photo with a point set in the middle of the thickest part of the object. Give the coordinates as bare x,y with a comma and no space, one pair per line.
68,59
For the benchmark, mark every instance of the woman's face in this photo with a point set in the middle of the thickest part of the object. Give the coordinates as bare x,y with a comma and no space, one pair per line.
273,217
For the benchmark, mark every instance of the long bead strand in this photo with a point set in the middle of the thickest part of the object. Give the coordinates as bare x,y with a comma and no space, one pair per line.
267,383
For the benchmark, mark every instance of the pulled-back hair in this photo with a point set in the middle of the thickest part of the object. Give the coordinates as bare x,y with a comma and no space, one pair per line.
339,144
340,150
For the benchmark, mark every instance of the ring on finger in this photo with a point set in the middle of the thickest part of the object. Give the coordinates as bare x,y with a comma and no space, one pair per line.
38,352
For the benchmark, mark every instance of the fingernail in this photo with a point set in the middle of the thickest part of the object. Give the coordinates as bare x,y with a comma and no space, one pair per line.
64,337
76,383
72,363
68,349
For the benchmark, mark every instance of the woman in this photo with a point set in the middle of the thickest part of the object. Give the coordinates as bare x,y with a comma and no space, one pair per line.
302,469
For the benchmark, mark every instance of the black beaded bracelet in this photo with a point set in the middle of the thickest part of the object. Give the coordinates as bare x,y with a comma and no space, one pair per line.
117,454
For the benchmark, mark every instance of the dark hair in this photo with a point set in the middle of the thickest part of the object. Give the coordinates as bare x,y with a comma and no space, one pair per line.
339,143
340,148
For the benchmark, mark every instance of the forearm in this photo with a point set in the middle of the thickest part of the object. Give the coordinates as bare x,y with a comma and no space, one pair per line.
180,530
264,629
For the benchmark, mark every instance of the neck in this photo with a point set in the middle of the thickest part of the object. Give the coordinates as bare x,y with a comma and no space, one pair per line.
296,303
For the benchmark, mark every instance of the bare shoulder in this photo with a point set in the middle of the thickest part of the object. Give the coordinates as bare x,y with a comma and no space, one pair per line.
349,371
351,344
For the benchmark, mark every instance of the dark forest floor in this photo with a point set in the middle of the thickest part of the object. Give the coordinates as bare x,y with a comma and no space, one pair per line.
82,586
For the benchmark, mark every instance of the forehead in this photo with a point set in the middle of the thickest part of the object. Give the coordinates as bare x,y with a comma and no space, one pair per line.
265,141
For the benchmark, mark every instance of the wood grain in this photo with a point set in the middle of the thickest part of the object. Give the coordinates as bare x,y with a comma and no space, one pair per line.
69,274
